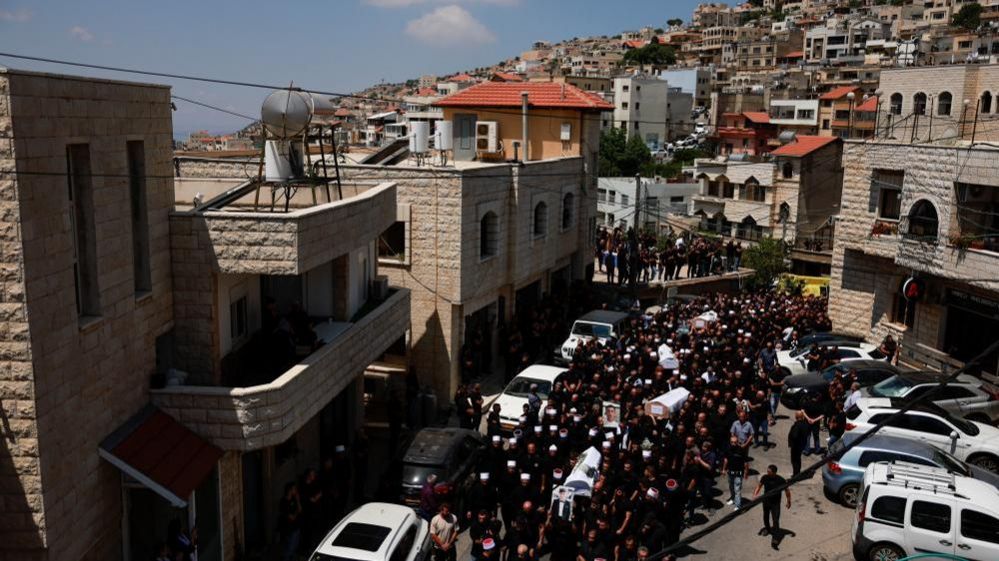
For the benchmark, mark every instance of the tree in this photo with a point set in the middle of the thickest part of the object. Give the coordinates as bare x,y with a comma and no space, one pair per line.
968,17
766,258
653,54
675,22
620,156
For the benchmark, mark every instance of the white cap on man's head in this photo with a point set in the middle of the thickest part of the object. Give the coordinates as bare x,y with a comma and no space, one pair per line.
511,463
484,476
340,448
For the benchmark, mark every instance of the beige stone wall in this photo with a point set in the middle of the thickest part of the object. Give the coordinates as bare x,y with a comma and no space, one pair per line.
867,270
231,497
22,512
266,415
88,378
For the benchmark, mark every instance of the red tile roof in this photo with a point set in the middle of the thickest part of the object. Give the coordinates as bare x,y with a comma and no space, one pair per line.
540,94
162,454
795,54
507,77
636,44
758,117
426,92
342,112
804,145
838,93
462,78
869,105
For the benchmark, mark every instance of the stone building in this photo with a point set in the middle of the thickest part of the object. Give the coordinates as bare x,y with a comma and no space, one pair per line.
927,212
139,379
939,103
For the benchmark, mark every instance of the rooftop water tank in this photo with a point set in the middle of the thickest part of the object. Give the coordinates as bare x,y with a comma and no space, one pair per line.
287,113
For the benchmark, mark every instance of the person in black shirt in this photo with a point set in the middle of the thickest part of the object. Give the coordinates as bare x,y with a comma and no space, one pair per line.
593,548
797,439
771,503
736,465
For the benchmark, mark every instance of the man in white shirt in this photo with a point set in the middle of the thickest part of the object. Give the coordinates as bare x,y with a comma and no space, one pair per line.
444,532
853,398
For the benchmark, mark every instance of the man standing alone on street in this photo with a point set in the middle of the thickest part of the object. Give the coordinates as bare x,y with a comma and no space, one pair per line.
771,504
797,439
444,532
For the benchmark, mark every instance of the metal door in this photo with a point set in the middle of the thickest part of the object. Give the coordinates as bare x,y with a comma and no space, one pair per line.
464,137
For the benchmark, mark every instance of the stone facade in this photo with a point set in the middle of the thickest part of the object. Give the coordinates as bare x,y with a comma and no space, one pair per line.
266,415
870,260
66,382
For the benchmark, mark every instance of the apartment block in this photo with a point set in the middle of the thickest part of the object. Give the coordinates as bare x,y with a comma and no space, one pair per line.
177,350
923,211
651,109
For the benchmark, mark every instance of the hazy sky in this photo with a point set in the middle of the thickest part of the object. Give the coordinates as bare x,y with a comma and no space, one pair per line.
333,45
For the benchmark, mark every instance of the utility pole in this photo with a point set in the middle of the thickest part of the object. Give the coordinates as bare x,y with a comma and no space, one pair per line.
638,198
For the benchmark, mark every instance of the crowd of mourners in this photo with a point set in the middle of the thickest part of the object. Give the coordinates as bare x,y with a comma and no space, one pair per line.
622,254
656,474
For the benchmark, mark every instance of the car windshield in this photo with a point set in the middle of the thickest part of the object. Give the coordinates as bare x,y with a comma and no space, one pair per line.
950,462
893,386
585,329
415,474
521,387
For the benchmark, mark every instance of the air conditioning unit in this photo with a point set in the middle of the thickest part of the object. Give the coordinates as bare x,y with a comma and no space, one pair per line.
487,136
379,287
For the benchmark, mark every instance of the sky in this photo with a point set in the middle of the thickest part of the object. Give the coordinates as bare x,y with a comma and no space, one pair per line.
329,45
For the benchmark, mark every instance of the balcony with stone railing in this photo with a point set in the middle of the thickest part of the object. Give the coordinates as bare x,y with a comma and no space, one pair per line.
265,414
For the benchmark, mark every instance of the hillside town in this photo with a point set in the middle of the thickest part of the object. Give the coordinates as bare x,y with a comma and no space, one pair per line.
616,298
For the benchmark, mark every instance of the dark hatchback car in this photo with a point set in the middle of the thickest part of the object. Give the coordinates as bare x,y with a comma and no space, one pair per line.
798,389
448,453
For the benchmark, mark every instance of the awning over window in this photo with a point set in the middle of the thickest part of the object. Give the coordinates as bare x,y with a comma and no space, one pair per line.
162,454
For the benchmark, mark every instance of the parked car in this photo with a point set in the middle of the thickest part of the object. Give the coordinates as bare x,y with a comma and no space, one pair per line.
799,388
598,324
975,443
908,509
449,453
514,396
844,478
796,361
377,532
966,397
820,337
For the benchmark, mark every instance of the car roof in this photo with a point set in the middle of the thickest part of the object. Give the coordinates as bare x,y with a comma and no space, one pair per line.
370,517
542,372
894,403
603,316
922,377
889,443
864,364
432,446
913,478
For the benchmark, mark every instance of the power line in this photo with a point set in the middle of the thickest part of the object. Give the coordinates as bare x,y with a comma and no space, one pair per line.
809,471
254,119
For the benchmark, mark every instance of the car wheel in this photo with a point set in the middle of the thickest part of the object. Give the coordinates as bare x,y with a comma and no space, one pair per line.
849,494
985,461
885,551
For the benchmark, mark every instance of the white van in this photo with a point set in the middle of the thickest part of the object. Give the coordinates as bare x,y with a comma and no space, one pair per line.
598,324
907,509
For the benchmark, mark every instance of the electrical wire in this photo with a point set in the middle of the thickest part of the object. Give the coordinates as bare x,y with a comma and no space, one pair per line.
807,472
220,109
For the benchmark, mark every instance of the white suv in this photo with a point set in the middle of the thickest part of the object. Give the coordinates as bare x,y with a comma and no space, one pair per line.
377,532
975,443
598,324
796,361
907,509
967,396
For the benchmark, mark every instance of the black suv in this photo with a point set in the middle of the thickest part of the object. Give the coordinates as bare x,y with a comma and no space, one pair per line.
449,453
798,389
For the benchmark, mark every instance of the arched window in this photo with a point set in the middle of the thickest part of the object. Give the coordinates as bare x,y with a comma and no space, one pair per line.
895,104
986,104
488,235
919,104
787,170
749,230
540,226
943,103
568,204
753,191
923,224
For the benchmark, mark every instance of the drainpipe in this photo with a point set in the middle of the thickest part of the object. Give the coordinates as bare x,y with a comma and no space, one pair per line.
523,126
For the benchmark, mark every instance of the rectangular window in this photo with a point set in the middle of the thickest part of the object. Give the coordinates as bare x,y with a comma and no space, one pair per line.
237,319
140,216
889,509
978,526
392,242
637,106
81,200
624,199
889,188
934,517
978,214
624,105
